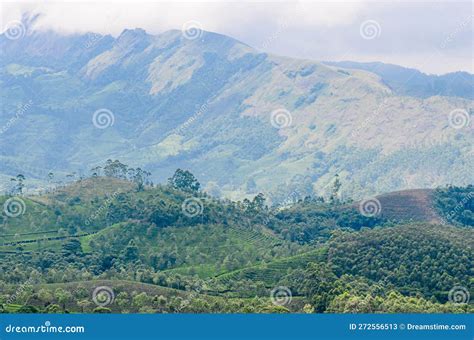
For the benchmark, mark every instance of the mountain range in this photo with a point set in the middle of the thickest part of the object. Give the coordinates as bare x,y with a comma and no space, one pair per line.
241,120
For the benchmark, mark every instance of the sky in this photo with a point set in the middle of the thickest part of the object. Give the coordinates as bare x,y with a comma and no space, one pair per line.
434,37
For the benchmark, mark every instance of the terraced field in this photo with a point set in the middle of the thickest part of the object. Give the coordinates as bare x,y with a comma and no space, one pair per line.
35,241
270,273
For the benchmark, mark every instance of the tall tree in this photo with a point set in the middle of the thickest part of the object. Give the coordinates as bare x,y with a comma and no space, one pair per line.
19,185
335,190
184,180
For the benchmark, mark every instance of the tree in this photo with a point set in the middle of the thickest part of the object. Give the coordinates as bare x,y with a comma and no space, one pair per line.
102,310
141,300
259,202
335,190
317,283
139,177
115,169
84,304
45,295
19,186
184,180
130,253
28,309
308,309
72,247
160,302
122,299
275,309
53,309
62,296
96,171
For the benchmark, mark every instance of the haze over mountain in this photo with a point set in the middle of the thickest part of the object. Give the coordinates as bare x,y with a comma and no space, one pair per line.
411,82
241,120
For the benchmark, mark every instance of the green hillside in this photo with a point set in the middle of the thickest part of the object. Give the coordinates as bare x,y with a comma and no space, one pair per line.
270,273
174,248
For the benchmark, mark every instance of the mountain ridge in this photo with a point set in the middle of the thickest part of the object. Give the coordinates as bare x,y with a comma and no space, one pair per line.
423,85
176,102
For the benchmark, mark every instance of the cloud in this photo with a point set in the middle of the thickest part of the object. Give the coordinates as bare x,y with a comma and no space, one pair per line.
112,17
318,30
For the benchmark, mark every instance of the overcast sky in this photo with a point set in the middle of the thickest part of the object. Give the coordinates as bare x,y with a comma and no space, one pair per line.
435,37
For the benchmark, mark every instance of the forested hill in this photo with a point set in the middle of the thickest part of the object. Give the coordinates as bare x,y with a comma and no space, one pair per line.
174,248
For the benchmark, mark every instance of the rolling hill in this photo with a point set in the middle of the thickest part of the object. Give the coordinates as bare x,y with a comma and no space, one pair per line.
158,255
409,205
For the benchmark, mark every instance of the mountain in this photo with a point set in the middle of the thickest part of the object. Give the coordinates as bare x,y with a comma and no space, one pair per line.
411,82
241,120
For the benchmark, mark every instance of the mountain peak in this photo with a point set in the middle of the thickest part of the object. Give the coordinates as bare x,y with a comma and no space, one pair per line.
132,36
135,32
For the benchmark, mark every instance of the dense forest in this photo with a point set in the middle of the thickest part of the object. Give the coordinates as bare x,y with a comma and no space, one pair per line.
116,242
456,204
